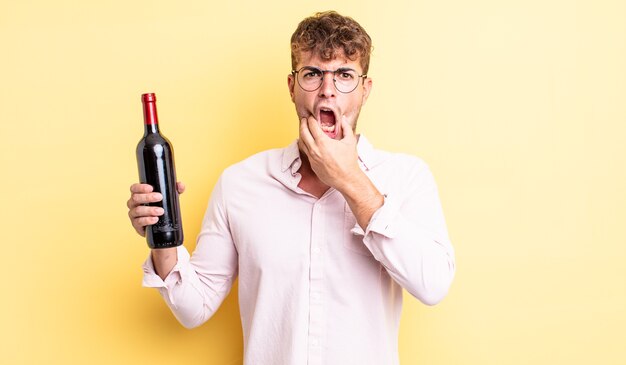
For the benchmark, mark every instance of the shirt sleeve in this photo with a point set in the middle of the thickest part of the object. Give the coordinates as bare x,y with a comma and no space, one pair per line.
198,284
408,236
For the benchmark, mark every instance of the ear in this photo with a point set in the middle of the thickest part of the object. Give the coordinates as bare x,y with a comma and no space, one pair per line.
291,83
367,87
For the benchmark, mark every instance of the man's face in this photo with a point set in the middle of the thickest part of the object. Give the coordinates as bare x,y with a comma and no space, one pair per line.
326,104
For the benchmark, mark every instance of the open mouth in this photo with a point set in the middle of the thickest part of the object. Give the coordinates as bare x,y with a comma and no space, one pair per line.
328,122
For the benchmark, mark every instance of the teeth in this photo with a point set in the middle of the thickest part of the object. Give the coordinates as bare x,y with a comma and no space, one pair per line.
328,128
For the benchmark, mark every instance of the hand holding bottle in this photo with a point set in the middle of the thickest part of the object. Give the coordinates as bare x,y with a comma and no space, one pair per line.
142,215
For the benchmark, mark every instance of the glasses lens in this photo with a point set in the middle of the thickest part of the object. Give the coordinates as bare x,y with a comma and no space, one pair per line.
346,80
310,78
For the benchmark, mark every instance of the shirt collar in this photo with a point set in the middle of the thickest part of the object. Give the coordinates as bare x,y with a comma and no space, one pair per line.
368,156
291,154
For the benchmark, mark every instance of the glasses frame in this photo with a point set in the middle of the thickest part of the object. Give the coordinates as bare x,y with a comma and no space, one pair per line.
324,72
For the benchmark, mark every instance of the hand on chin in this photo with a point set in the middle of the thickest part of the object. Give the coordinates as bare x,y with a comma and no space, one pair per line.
334,161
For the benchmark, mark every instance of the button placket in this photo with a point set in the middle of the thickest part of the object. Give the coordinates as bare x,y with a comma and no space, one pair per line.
316,310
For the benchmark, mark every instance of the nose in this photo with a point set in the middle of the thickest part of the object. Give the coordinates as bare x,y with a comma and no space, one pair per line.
327,89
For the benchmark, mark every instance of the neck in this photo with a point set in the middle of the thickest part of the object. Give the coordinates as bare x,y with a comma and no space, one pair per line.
305,168
309,181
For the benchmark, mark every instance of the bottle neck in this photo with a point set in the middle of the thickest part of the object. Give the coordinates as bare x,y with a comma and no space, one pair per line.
150,118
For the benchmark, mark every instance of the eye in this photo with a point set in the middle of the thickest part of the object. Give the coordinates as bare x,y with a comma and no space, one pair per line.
311,73
346,75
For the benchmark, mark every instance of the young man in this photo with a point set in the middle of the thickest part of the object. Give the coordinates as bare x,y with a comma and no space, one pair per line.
323,234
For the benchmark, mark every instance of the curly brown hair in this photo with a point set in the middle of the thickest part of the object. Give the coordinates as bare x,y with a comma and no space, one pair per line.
328,32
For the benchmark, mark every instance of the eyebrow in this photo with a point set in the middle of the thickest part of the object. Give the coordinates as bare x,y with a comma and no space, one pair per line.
342,69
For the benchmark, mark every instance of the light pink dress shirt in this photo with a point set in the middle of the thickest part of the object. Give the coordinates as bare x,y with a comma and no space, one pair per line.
314,288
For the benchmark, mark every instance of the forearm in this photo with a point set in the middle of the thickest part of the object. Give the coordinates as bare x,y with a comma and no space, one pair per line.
422,262
195,288
408,236
193,291
164,260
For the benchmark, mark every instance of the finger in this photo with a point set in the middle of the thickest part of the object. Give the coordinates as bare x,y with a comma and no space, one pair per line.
348,133
305,135
144,221
180,186
145,211
141,188
314,127
140,230
138,199
141,222
339,128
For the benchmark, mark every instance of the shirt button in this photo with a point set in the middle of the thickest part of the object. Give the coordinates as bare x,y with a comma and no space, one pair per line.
314,342
316,250
315,296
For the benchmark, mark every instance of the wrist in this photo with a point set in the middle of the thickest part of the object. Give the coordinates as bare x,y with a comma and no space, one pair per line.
354,184
163,253
361,193
364,199
164,260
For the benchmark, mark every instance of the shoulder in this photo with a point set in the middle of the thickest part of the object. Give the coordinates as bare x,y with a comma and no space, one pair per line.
401,162
401,169
393,162
407,160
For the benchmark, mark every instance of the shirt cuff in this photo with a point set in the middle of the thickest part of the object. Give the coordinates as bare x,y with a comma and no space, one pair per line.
152,280
381,221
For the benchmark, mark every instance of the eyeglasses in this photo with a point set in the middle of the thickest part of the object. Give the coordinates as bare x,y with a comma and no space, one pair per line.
310,78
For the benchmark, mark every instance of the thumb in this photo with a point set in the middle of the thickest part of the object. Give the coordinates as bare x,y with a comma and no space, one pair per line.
348,133
180,186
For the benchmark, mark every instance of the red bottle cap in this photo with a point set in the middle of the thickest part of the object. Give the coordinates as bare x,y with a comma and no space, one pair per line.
148,97
149,108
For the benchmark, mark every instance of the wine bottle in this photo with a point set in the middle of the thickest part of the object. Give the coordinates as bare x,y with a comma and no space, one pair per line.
155,157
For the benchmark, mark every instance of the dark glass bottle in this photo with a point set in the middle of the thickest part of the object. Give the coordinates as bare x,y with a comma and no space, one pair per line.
155,157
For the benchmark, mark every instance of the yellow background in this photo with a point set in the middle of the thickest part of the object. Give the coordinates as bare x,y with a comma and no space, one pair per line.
519,107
